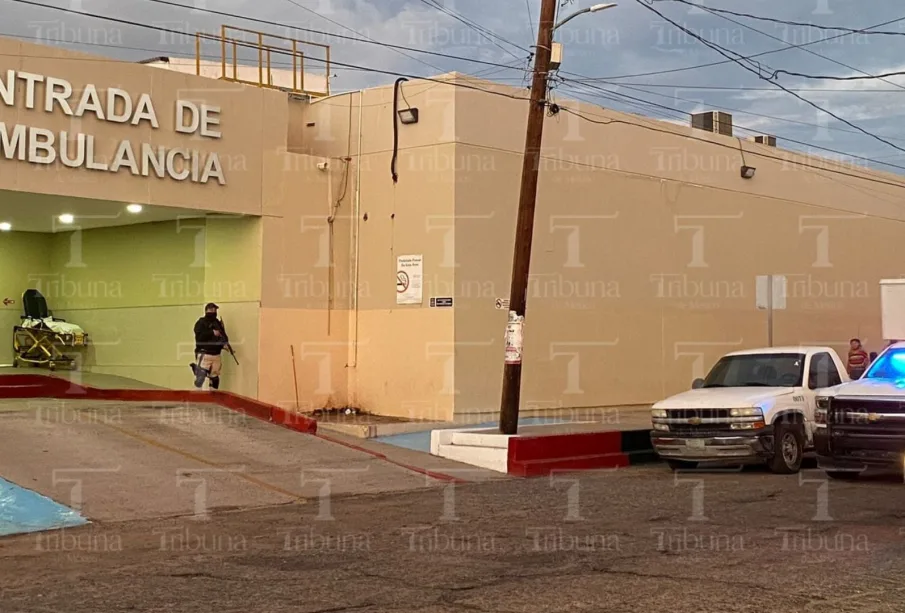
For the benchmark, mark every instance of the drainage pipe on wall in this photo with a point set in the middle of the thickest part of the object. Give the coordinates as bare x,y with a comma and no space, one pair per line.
357,238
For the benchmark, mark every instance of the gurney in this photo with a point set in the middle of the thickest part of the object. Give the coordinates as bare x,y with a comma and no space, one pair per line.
42,339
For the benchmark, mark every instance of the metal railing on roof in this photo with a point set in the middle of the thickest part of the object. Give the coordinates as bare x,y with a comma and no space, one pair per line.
260,42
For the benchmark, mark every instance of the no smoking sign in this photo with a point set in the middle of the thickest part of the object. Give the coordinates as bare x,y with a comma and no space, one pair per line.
402,282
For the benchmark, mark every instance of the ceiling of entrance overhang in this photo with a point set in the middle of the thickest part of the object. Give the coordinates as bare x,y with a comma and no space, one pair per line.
27,212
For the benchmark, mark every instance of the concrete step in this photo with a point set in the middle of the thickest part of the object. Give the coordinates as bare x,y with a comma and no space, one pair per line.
480,438
491,458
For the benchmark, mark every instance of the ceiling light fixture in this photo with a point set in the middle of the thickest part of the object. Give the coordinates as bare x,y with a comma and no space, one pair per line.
5,226
66,218
134,208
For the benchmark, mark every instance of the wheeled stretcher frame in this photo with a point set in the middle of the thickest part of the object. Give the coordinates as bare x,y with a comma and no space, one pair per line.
40,347
41,339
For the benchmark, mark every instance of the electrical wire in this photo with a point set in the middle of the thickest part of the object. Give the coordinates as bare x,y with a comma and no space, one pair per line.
471,87
610,121
725,108
280,25
487,34
873,193
364,36
740,61
802,23
748,57
275,51
811,51
746,89
685,115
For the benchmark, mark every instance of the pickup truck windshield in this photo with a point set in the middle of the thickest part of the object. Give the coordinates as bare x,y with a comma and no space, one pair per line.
890,365
757,370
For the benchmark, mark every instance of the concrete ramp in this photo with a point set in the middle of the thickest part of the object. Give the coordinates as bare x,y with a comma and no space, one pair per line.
114,461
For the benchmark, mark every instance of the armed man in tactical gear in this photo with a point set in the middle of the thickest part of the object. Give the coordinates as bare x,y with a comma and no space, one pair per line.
210,340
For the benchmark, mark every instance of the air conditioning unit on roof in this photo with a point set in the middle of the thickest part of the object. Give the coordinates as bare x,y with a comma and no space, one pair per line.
770,141
717,122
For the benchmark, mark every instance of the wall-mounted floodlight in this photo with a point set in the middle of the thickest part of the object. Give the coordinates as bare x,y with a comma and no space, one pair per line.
134,208
5,226
66,218
748,172
408,116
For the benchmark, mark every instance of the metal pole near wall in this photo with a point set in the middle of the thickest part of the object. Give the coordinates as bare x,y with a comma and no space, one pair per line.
770,282
524,233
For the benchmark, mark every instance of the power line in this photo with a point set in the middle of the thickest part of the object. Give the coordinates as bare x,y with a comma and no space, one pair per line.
746,89
334,22
487,34
748,57
728,108
882,77
811,51
726,53
861,189
686,114
275,51
280,25
761,154
802,23
461,85
530,21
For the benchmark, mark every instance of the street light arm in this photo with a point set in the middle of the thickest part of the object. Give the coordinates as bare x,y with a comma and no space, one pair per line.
592,9
571,17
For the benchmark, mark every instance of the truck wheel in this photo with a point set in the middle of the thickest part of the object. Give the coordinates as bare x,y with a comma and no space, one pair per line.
788,449
681,465
843,475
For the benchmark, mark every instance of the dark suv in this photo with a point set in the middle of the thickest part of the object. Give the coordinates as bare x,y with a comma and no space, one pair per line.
861,424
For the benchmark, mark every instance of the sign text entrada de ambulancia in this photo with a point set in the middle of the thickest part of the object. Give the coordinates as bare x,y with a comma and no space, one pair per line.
77,150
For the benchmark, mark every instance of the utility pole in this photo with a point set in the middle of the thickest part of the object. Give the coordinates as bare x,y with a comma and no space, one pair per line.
524,231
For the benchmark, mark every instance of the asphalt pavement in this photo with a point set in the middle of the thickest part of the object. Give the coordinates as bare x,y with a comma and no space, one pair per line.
638,539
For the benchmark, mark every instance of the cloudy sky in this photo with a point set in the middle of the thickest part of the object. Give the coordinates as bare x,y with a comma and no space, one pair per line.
602,52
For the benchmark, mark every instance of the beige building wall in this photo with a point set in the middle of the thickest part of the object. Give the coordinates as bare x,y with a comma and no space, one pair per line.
647,243
646,249
400,357
248,127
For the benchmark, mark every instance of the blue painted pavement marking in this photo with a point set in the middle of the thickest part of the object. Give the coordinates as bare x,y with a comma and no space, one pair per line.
421,441
23,510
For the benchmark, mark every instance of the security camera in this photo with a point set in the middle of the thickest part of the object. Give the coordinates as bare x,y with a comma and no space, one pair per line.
322,165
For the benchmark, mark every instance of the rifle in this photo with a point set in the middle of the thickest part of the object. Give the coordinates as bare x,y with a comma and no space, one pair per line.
227,345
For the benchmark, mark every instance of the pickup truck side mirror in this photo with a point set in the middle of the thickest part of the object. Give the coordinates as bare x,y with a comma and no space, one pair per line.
697,384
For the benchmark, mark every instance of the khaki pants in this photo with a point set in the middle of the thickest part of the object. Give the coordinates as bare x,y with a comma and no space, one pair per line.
210,363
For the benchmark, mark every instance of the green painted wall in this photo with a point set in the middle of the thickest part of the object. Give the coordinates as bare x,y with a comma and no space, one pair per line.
137,291
24,260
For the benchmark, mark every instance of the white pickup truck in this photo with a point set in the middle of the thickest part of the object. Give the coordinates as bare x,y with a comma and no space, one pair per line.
754,406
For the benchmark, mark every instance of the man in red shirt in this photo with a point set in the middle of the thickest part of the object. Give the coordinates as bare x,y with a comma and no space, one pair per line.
857,359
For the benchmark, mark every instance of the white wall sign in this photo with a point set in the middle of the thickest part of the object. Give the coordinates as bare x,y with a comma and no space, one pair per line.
763,296
409,279
77,150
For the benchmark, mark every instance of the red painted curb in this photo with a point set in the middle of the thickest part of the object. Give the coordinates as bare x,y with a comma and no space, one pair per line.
42,386
533,456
